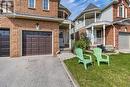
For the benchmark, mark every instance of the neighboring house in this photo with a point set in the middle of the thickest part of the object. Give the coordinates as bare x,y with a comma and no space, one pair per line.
31,27
108,26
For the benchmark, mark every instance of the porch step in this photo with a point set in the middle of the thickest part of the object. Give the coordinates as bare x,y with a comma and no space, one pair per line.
65,50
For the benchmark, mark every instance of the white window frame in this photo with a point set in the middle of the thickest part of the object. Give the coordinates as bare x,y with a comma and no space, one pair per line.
29,4
123,11
126,12
48,5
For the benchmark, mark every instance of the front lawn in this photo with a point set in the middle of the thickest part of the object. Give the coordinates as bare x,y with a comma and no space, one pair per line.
115,75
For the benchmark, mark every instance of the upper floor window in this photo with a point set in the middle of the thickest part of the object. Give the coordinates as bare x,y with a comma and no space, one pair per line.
121,12
60,14
31,3
45,4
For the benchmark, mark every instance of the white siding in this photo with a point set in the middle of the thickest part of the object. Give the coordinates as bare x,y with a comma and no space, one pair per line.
107,14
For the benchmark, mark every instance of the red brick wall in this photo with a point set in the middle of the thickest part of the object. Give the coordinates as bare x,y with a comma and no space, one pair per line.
21,6
115,9
17,25
78,34
110,34
120,29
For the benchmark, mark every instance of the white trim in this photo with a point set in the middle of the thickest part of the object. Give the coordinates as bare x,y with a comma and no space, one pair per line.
48,5
95,13
123,11
52,43
126,12
34,4
104,35
70,36
15,15
114,30
21,42
84,20
98,23
118,11
92,35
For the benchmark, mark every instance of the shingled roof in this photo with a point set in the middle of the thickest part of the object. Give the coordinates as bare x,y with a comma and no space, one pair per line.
91,7
63,7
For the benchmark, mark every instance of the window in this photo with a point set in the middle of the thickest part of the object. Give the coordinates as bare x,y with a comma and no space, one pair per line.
121,11
45,4
60,14
99,33
31,3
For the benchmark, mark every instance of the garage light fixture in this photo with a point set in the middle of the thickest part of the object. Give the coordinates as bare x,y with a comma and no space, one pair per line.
125,29
37,26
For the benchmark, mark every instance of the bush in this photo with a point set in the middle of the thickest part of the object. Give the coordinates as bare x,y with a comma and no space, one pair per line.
83,43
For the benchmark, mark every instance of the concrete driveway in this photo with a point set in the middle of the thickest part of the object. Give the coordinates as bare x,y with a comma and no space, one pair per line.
35,71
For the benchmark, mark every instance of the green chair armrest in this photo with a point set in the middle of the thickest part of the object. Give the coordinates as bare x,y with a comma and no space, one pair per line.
89,56
106,56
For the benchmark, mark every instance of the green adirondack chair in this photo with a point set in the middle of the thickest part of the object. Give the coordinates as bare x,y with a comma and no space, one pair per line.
98,54
83,58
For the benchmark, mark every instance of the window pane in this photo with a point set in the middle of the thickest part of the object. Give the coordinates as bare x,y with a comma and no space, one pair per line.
46,4
99,33
31,3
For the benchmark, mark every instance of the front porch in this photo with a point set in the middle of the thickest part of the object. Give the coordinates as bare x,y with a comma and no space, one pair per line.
97,34
65,35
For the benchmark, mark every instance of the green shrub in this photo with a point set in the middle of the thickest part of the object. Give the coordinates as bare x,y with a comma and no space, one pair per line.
83,43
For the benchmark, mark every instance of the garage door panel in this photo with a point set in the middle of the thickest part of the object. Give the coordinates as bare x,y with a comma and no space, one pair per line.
37,43
4,42
124,41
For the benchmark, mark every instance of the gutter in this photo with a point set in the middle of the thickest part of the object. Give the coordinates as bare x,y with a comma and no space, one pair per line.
33,17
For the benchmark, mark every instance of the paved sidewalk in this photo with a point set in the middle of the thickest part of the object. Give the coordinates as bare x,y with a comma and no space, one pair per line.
35,71
66,55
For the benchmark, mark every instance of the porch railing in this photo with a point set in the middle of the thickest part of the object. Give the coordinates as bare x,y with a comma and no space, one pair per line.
79,25
90,21
98,41
6,6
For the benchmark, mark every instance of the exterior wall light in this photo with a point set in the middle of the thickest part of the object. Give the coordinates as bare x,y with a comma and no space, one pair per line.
37,26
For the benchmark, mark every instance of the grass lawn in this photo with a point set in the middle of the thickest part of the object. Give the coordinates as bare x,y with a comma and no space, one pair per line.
115,75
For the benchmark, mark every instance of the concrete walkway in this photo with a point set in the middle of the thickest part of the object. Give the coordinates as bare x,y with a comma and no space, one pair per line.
35,71
65,55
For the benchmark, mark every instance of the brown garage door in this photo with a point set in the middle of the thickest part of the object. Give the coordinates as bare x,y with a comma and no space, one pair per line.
37,43
4,42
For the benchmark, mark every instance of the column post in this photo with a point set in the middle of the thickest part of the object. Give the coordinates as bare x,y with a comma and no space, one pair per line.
84,20
70,35
104,36
92,36
95,13
114,36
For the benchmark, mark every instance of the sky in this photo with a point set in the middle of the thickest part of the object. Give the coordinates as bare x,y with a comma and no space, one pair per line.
77,6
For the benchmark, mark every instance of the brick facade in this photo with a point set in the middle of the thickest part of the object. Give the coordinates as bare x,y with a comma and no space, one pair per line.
22,7
17,25
118,28
115,9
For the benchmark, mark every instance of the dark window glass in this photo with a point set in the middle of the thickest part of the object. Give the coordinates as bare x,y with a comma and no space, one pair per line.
99,33
4,43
